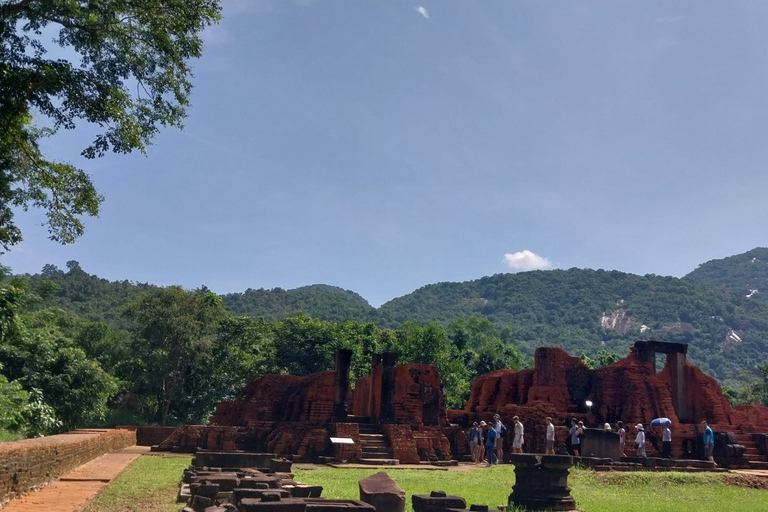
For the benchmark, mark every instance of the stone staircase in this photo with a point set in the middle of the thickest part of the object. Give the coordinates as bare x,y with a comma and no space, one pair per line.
375,446
752,453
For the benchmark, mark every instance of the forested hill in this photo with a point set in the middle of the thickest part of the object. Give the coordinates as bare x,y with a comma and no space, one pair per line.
319,300
584,311
743,274
581,310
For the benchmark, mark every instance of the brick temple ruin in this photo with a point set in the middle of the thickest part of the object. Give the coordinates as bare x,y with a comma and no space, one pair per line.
398,414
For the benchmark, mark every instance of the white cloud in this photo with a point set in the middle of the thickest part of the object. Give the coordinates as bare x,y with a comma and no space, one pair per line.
423,11
526,260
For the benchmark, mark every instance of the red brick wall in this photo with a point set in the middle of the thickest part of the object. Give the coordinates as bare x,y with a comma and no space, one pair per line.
149,435
30,463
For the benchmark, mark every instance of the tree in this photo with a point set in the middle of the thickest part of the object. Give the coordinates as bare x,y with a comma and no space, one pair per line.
125,70
174,335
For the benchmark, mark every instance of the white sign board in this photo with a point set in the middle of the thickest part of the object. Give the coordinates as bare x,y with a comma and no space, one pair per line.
342,440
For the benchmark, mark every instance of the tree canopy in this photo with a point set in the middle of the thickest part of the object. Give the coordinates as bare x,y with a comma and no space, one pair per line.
119,65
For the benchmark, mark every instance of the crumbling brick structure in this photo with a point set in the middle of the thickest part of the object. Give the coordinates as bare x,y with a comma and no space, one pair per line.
630,390
297,416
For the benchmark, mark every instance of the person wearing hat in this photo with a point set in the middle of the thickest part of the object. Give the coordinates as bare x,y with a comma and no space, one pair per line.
518,440
474,442
640,440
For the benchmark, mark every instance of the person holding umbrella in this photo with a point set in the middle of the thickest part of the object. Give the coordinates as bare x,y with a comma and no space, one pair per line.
666,441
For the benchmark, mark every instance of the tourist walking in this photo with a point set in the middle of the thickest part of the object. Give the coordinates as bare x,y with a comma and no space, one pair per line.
575,437
666,442
709,443
622,437
501,433
550,438
640,440
481,449
491,438
517,441
474,442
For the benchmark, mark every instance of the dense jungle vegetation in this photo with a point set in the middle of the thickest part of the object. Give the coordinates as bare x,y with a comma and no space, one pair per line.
77,350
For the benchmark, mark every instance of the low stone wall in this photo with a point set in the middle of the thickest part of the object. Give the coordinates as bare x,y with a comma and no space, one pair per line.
149,435
28,464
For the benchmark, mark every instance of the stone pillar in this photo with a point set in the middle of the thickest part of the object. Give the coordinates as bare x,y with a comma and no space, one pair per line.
343,358
373,412
541,482
677,373
388,359
647,352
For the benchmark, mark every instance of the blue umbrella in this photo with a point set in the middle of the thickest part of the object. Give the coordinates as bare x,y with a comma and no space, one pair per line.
660,422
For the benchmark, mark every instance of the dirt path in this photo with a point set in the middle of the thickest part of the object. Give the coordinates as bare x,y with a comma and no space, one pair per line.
79,487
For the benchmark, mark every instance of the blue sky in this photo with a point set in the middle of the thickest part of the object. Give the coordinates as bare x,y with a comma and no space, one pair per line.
381,146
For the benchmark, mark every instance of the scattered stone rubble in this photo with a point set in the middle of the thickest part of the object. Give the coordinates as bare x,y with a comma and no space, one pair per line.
541,484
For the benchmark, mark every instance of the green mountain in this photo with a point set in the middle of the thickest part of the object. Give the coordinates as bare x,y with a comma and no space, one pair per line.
318,300
744,274
583,311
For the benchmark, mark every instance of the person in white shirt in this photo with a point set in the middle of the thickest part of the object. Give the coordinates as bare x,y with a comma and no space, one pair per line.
640,440
517,442
497,426
666,442
622,437
550,450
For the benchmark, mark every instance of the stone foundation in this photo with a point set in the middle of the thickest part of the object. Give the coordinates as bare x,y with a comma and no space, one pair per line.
31,463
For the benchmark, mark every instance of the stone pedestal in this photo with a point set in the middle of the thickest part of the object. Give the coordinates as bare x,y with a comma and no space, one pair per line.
541,482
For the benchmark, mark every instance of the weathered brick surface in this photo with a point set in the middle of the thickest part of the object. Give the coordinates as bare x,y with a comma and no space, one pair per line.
627,390
347,451
149,435
280,398
30,463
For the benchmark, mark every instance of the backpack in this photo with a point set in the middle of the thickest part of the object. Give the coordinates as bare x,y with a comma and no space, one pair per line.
503,432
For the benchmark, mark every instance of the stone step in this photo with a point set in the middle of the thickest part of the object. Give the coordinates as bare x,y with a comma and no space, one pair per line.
371,436
376,449
758,465
357,419
374,445
375,455
381,441
379,462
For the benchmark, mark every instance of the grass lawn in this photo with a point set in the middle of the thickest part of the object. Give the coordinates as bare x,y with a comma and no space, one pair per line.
594,492
151,483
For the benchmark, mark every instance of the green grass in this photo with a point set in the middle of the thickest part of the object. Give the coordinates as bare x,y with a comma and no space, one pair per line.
151,482
594,492
6,435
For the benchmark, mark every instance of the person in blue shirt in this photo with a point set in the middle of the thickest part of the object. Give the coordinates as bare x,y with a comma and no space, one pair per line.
709,442
490,445
474,442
